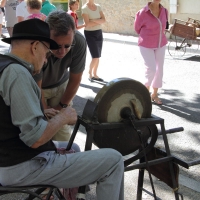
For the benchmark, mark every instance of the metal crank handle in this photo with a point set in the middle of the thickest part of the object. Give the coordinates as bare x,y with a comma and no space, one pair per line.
192,163
173,130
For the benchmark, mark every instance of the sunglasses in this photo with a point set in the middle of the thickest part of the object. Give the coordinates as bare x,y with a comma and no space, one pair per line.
66,46
49,53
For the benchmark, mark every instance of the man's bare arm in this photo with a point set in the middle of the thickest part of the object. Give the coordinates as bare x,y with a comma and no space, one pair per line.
39,83
99,21
2,3
88,22
20,18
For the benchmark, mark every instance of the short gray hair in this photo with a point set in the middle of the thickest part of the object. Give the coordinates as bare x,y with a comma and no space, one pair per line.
60,22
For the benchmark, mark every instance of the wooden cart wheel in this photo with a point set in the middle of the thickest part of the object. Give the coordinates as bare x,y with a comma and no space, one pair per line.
177,48
193,46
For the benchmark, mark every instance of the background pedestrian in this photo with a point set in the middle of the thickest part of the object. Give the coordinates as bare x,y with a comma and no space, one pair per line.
150,24
93,17
1,20
73,7
10,14
21,11
47,7
34,7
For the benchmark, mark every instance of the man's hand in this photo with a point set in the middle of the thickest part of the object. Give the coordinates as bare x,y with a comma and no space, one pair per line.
69,115
65,116
50,112
58,107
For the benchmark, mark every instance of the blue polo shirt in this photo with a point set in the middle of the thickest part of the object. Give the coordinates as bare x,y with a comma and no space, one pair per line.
47,7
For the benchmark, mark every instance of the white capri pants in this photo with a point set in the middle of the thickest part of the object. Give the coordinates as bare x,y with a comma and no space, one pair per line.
154,61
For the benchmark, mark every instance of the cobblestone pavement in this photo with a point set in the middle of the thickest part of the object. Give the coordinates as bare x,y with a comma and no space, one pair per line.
181,106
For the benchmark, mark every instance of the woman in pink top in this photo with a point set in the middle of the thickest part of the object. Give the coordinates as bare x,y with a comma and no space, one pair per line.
150,24
34,7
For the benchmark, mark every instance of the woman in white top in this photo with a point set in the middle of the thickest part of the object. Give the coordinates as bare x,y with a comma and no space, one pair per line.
1,19
10,14
93,18
21,11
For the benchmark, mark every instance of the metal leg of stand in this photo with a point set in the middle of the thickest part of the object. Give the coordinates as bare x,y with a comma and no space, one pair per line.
176,194
71,140
89,139
140,184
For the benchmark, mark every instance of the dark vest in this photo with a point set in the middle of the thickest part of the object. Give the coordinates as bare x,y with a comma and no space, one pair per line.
13,150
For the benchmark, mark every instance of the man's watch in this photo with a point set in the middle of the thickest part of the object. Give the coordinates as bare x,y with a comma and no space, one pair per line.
63,105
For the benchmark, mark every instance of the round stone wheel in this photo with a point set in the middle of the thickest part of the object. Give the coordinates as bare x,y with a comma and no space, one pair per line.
111,99
117,94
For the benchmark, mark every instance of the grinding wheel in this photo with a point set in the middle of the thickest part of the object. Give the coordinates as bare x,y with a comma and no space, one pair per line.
117,94
111,99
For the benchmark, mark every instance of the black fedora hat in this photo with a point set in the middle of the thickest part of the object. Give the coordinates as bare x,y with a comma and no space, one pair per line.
32,29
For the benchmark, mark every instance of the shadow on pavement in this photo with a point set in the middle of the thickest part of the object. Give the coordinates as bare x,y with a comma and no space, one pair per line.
188,110
195,58
93,88
121,41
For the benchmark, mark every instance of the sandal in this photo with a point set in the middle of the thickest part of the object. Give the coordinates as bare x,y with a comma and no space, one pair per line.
44,197
44,194
95,79
156,100
90,79
3,36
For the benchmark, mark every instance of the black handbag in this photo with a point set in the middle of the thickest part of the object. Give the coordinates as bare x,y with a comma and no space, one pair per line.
167,23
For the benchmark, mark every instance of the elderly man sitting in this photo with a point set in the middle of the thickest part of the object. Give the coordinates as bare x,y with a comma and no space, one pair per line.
28,156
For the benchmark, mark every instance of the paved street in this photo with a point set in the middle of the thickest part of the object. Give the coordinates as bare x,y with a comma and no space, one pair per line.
181,98
181,107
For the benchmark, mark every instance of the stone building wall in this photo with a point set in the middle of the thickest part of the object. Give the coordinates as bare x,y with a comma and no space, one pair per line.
120,14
